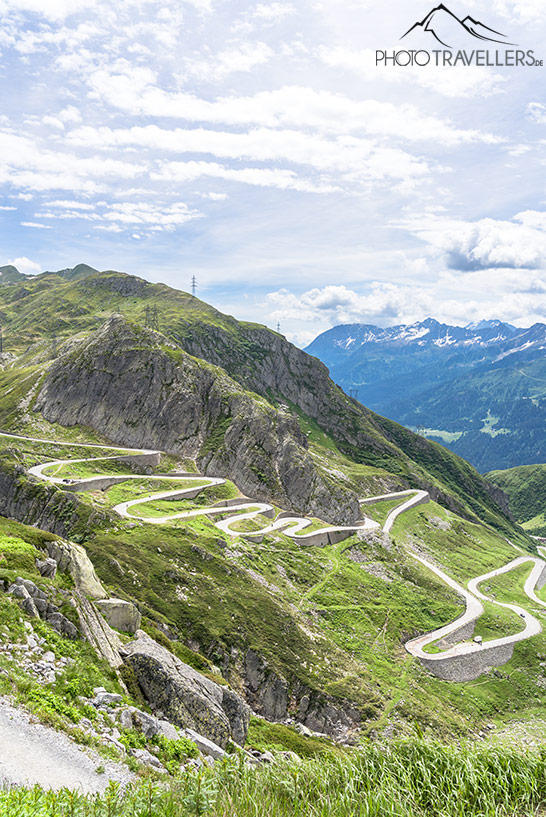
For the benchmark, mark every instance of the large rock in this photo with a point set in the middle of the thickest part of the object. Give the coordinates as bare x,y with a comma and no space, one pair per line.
97,631
73,559
205,746
63,625
120,614
186,698
267,692
47,568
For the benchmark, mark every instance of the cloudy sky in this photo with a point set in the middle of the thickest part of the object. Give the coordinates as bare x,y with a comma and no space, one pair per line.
257,146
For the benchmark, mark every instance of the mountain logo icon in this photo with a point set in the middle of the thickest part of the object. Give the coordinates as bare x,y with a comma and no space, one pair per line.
445,27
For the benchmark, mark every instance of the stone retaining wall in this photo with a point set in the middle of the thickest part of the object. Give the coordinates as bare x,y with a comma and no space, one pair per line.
468,667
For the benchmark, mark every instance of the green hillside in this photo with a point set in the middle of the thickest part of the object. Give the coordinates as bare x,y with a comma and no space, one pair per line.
328,622
491,417
322,628
525,487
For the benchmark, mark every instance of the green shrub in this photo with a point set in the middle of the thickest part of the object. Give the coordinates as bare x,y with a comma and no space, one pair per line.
46,702
55,642
175,750
16,554
133,740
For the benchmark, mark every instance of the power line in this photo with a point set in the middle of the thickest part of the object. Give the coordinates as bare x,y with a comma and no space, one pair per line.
353,393
193,285
278,327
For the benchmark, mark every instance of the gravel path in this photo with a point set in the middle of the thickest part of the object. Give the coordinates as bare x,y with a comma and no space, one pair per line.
31,753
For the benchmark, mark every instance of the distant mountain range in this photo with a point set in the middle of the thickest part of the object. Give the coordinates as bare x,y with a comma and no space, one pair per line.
479,389
11,275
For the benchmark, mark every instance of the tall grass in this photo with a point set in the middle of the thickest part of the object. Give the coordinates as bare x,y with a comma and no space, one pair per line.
403,779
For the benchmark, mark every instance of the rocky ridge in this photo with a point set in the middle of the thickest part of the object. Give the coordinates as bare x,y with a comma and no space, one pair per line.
166,399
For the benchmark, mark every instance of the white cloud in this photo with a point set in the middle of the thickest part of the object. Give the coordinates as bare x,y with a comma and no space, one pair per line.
24,163
70,115
536,111
213,196
487,243
58,10
70,205
272,12
53,122
338,304
35,225
260,177
7,207
51,10
243,58
134,90
317,309
263,15
25,265
116,216
523,11
355,159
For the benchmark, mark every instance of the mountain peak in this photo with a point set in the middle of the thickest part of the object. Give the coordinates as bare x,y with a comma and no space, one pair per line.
489,324
74,273
10,274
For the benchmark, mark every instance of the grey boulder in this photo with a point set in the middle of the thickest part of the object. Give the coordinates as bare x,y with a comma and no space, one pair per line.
120,614
205,746
186,698
47,568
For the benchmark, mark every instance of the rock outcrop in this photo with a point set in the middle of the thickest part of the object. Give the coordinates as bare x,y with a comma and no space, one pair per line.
120,614
275,699
73,559
132,386
98,632
41,505
184,696
37,604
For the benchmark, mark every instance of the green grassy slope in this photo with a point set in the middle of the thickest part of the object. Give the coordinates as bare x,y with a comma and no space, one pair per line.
525,487
329,621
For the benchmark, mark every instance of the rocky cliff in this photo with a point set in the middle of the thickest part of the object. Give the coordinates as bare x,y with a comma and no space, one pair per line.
132,386
41,505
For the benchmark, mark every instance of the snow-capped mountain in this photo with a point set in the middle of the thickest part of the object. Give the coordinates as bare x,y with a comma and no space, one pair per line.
480,387
424,334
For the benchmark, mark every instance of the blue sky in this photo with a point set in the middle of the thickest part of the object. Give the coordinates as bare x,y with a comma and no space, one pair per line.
257,146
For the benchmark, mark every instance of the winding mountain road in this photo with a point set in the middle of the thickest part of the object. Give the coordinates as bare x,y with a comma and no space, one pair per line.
456,662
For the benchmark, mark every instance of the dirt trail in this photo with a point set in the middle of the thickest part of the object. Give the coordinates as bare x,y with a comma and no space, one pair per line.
31,753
